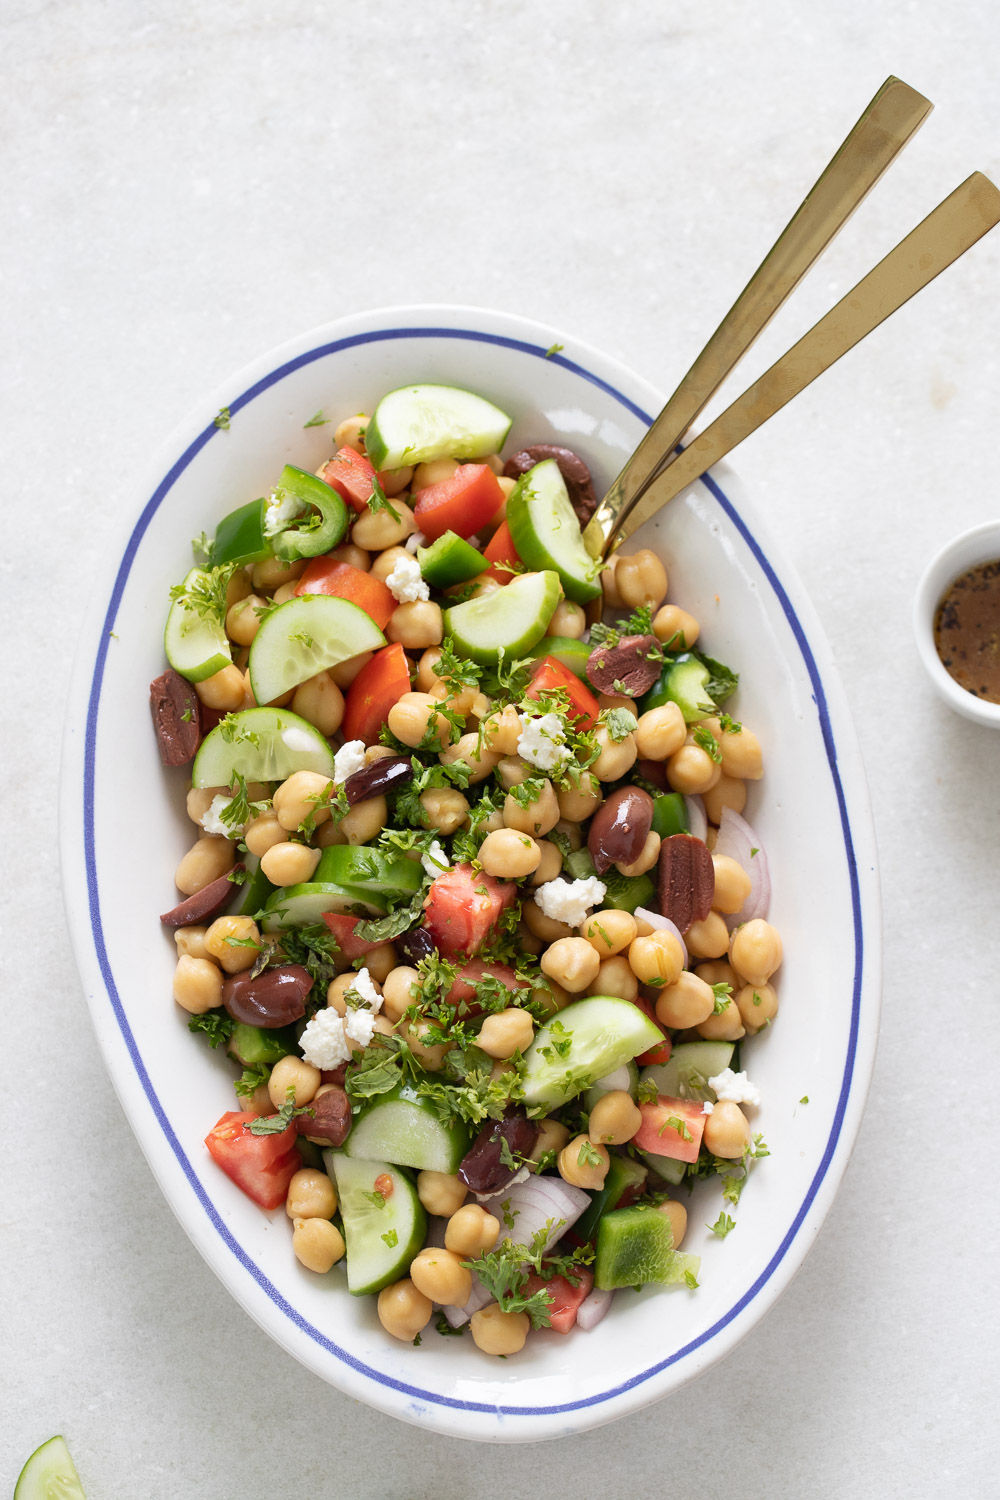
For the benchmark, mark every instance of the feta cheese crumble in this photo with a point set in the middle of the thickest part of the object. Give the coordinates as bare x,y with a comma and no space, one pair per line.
734,1088
211,819
365,989
707,1107
360,1025
323,1043
281,508
570,901
348,759
542,743
435,860
406,582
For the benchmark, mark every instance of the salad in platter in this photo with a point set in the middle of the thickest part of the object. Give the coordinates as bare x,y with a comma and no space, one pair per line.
472,905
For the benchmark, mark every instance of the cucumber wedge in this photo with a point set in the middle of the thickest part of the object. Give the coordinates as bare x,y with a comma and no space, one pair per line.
49,1474
367,871
196,645
582,1043
382,1238
303,905
666,1167
418,423
573,654
547,534
690,1066
511,619
260,744
407,1130
305,636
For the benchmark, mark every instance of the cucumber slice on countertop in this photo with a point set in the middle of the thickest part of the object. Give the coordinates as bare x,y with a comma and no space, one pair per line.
403,1127
571,653
196,645
547,534
587,1040
685,1075
260,744
450,560
303,905
366,870
49,1474
512,619
305,636
382,1238
418,423
636,1246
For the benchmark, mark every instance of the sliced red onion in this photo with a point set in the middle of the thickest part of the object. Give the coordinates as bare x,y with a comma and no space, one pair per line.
697,817
414,540
662,924
738,841
592,1310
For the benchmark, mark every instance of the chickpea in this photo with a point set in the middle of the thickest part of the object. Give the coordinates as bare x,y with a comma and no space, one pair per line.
757,1005
190,942
395,481
350,433
225,942
551,863
577,803
692,771
460,702
474,588
717,971
242,620
345,672
645,859
197,985
550,996
403,1311
427,677
442,1194
414,719
609,930
284,593
415,624
615,757
207,859
539,817
365,820
300,797
678,1216
377,530
223,690
289,864
741,755
237,588
263,832
509,855
471,1231
337,989
430,1055
755,951
496,1332
615,977
641,578
732,885
381,961
354,556
686,1002
727,792
513,771
503,730
329,834
724,1026
440,1275
571,832
310,1195
466,748
727,1130
571,962
445,808
676,628
506,1032
614,1119
552,1136
541,926
568,620
317,1244
617,700
386,561
583,1164
199,800
320,702
433,472
259,1101
270,573
612,598
397,989
661,732
657,959
708,938
294,1073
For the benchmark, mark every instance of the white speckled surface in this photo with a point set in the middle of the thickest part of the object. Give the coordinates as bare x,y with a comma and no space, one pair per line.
187,185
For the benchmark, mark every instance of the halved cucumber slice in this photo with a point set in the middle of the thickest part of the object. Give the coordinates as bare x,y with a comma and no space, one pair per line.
625,1078
260,744
305,636
303,905
49,1474
547,534
418,423
666,1167
685,1075
196,644
366,870
571,653
512,618
587,1040
382,1237
405,1128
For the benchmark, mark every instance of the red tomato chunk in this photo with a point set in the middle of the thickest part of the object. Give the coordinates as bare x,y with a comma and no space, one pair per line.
463,906
325,575
550,675
262,1165
501,549
380,683
671,1127
343,930
564,1298
471,973
350,474
463,503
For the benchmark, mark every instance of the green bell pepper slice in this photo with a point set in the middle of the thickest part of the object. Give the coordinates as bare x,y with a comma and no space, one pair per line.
239,537
323,530
669,815
451,559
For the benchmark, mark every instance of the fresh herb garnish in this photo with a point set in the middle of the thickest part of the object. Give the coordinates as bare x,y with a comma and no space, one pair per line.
723,1225
316,420
222,418
379,500
217,1025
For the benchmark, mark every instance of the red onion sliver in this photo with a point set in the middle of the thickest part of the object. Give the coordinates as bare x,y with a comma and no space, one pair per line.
662,924
738,840
533,1203
592,1310
697,817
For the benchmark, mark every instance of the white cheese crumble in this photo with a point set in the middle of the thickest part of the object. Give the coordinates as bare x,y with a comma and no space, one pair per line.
735,1088
211,819
323,1042
435,860
364,987
281,508
360,1025
707,1107
406,582
348,759
570,901
542,742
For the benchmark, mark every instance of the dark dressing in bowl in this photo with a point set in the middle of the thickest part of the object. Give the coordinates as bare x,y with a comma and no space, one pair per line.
967,631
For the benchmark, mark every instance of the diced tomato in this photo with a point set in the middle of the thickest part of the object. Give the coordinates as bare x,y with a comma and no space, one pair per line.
564,1298
463,906
262,1165
500,549
350,474
325,575
471,973
343,930
380,683
551,674
463,503
660,1052
660,1137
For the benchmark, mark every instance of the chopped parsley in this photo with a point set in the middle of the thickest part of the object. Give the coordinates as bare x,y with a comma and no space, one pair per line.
316,420
217,1025
379,500
222,418
723,1225
705,740
554,349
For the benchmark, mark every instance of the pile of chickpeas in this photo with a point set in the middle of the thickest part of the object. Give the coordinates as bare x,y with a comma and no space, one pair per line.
611,953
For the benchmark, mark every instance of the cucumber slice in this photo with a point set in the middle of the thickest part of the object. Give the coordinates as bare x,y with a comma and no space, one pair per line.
546,532
585,1041
666,1167
623,1173
571,653
304,636
240,538
49,1474
255,891
404,1128
685,1075
449,560
636,1246
381,1239
366,870
304,905
260,744
626,1077
511,619
196,645
683,681
418,423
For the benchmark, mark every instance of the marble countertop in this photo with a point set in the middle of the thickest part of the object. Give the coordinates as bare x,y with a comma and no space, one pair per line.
186,186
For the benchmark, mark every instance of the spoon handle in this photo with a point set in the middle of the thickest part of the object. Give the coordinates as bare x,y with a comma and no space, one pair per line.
946,233
887,124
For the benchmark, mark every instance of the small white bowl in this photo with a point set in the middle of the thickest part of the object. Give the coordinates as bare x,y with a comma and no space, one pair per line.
980,545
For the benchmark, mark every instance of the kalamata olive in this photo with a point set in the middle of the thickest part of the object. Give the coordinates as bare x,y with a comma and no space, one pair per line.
620,827
176,717
482,1169
571,467
204,904
277,997
687,880
626,669
415,944
329,1122
382,776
